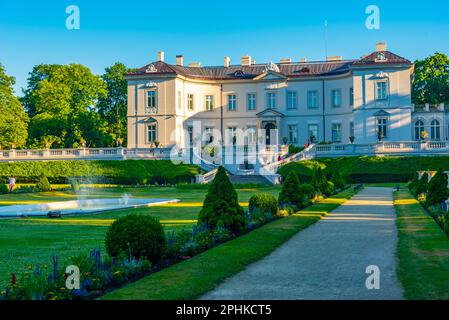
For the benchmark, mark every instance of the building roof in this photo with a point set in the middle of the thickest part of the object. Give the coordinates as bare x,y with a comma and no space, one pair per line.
290,70
390,58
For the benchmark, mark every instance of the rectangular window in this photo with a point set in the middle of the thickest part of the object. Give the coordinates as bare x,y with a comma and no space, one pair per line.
152,133
351,97
293,133
271,100
190,101
251,101
336,132
232,102
252,135
336,98
382,127
179,100
151,106
313,132
312,99
351,129
209,103
291,100
232,131
382,90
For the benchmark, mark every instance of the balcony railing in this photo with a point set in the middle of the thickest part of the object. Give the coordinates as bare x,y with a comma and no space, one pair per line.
385,148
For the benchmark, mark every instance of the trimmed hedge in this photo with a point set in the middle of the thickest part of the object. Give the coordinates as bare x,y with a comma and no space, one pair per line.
264,203
114,172
368,169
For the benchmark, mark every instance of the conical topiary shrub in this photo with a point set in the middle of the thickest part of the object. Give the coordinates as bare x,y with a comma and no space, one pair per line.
221,206
319,182
438,191
290,195
422,185
338,180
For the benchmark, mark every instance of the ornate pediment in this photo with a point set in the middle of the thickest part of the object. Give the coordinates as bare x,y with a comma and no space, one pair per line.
270,113
151,69
381,113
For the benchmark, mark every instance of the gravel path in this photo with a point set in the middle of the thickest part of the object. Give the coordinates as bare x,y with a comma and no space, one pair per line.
328,260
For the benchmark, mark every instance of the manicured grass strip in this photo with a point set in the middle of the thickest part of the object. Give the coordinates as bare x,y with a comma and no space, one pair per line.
423,251
192,278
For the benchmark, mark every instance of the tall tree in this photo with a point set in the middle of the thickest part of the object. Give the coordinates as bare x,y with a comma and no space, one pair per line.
62,101
431,80
114,107
13,119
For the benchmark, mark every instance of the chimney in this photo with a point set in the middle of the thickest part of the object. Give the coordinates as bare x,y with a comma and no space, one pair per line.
381,46
195,64
285,60
246,60
303,60
160,56
334,58
179,60
227,62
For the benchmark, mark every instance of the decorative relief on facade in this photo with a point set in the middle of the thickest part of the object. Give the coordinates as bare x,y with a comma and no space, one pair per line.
151,69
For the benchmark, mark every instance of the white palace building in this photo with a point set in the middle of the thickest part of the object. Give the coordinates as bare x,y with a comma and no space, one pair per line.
338,101
258,110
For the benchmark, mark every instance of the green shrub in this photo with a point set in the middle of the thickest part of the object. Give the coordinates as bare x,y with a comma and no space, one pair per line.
128,172
264,203
308,191
292,149
423,185
438,191
221,207
366,169
42,184
320,184
136,235
4,189
338,180
290,195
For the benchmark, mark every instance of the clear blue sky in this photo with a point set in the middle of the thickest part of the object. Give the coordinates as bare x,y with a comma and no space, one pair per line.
34,32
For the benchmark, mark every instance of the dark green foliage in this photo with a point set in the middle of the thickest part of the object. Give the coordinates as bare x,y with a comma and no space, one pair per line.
4,189
338,180
264,203
367,169
292,149
42,184
120,172
438,191
422,185
290,195
419,186
413,184
221,207
320,184
431,80
136,235
308,191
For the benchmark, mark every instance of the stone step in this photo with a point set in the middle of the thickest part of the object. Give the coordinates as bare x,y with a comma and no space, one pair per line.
248,179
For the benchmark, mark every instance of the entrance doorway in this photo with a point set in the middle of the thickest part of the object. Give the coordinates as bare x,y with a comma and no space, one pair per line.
268,128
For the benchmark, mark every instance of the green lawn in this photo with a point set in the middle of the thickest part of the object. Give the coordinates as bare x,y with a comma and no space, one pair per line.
33,241
192,278
423,251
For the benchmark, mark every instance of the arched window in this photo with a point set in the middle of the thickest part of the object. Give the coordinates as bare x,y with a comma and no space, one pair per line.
419,127
435,130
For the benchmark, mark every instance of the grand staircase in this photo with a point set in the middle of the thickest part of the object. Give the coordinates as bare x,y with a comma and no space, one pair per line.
260,173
